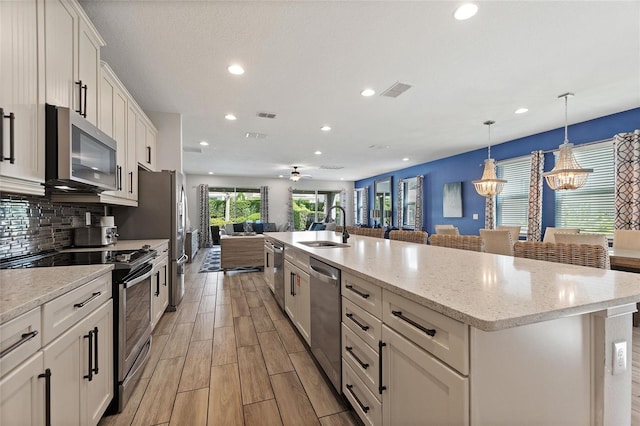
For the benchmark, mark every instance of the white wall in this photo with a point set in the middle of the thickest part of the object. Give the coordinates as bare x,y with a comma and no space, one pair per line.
278,193
169,140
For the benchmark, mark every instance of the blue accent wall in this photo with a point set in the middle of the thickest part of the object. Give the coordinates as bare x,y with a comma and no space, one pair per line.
467,167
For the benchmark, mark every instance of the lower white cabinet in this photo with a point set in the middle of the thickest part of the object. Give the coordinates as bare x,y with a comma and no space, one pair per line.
81,364
418,388
159,289
268,268
297,300
22,394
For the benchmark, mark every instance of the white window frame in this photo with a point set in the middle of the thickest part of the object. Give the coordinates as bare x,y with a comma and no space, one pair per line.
517,172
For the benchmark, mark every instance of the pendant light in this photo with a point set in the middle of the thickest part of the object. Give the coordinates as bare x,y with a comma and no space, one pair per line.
489,185
567,173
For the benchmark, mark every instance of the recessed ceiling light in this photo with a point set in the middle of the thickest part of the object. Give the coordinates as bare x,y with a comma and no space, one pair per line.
368,92
521,110
465,11
210,173
230,117
204,143
235,69
405,159
318,153
325,128
341,178
280,176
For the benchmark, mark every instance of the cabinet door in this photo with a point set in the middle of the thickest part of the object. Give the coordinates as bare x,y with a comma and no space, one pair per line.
132,145
19,95
60,24
112,122
22,395
151,148
98,392
88,70
303,305
420,390
289,298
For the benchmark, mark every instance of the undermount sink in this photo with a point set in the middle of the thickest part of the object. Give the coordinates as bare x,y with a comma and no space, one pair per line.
323,244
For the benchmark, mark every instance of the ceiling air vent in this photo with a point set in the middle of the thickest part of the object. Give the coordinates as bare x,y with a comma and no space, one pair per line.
396,90
192,149
266,115
332,167
255,135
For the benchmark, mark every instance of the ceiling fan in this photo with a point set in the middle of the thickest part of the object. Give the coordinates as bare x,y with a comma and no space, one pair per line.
296,175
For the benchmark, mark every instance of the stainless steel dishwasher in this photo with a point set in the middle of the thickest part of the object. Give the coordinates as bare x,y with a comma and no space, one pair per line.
325,319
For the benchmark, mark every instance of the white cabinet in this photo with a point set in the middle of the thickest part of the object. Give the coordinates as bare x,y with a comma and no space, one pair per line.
145,141
22,395
72,58
269,270
418,388
297,301
159,286
22,130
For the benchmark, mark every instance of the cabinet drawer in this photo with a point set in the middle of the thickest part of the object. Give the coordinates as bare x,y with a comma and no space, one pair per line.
367,406
19,339
298,258
450,339
363,293
362,323
364,361
66,310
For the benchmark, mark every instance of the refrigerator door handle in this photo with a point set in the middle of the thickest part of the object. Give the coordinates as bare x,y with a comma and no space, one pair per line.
182,260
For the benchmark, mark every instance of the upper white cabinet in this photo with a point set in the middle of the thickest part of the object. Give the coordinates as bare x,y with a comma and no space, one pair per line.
146,142
22,120
72,55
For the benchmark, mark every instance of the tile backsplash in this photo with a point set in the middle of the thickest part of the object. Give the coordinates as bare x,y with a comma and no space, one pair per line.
32,224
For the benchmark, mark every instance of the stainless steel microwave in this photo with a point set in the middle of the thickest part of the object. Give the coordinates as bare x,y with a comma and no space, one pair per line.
79,156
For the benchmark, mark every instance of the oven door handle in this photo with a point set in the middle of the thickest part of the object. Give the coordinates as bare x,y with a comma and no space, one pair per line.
148,268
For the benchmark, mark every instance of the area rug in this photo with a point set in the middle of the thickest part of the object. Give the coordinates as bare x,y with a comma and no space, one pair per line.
211,263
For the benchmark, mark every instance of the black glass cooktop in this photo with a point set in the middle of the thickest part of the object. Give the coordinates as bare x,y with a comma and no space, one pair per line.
120,258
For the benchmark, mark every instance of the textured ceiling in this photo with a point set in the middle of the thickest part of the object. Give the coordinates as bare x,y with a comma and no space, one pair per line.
307,62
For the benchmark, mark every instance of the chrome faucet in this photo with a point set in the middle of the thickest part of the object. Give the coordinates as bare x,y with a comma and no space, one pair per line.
345,234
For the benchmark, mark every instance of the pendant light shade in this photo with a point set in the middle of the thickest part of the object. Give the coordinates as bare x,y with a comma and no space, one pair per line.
567,173
489,185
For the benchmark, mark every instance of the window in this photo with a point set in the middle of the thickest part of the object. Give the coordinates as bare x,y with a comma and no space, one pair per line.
234,205
512,203
592,207
359,203
312,206
409,202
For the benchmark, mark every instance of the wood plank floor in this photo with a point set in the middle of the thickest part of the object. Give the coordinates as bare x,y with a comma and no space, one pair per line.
228,356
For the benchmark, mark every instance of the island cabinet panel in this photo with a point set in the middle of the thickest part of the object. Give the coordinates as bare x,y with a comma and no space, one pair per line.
363,293
297,298
22,400
539,372
363,401
362,358
419,389
362,323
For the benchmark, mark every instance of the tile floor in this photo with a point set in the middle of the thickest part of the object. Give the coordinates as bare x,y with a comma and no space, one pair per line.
228,356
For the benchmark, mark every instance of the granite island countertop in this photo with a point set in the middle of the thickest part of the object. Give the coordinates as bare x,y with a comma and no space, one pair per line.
487,291
24,289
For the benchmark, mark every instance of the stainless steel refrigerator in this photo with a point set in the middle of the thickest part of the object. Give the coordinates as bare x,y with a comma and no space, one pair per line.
161,213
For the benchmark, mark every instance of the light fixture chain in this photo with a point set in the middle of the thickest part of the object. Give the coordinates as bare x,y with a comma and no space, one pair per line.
566,120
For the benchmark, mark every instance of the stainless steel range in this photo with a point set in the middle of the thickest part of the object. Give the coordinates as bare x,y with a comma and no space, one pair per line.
131,281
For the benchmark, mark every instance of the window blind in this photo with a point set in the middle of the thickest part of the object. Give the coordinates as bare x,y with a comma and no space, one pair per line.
512,203
592,207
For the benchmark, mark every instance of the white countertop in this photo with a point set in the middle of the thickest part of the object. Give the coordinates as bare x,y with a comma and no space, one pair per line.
24,289
487,291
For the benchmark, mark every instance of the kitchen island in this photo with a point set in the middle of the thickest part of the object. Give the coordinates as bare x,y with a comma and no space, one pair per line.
534,340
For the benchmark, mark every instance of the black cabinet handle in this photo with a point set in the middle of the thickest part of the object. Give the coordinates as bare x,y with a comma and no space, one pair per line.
24,338
47,395
165,275
93,296
362,326
89,336
12,138
381,345
293,286
157,283
95,350
131,181
84,109
149,154
362,406
353,354
429,331
119,178
79,84
2,134
359,293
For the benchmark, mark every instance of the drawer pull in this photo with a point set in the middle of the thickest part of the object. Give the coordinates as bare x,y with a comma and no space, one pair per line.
95,350
364,407
362,326
47,391
359,293
93,296
23,339
353,354
429,331
381,345
89,336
